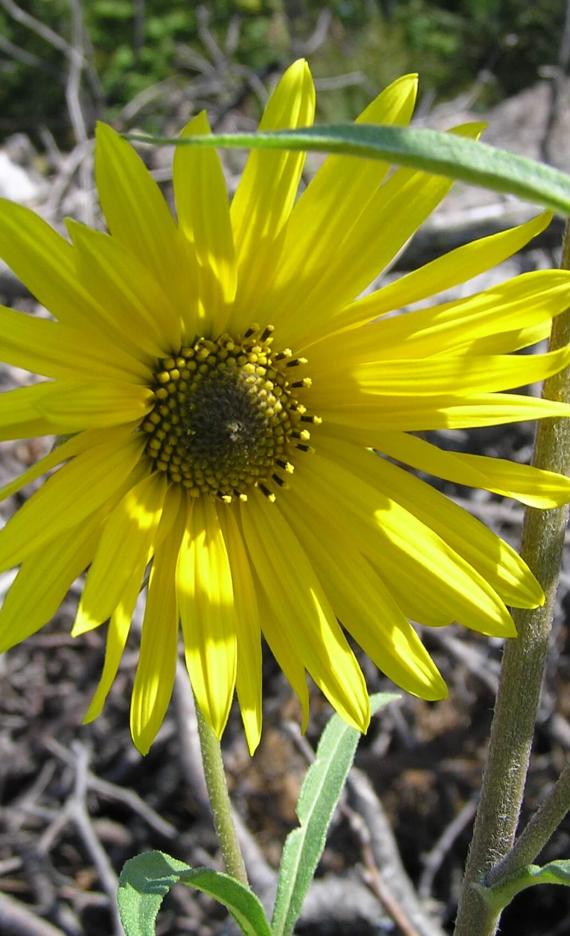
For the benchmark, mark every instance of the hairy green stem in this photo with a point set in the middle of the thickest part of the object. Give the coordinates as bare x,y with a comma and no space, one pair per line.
220,800
536,833
522,667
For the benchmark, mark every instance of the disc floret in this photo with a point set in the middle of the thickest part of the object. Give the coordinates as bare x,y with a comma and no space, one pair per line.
228,415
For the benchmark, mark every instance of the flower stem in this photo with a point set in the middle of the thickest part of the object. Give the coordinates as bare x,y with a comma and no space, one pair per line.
522,667
220,800
536,833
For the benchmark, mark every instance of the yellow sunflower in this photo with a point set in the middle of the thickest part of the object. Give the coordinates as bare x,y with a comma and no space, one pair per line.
224,393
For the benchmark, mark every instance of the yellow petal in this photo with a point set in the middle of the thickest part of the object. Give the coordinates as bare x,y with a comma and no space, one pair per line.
408,541
512,340
497,562
138,216
364,420
156,669
67,406
137,307
524,302
71,495
204,217
364,605
206,600
122,553
532,486
71,406
457,266
266,192
43,261
43,582
46,263
332,205
19,415
117,634
433,377
298,602
59,453
45,347
248,680
333,274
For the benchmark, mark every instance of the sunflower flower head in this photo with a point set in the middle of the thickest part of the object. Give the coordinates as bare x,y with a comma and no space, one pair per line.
238,422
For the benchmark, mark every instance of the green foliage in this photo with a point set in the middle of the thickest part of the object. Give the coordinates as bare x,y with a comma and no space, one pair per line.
447,154
146,879
501,895
512,39
320,793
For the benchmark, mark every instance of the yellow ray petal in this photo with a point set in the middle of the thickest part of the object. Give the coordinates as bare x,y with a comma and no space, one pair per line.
127,290
532,486
156,669
72,406
204,217
457,266
117,634
315,302
206,600
248,680
497,562
122,553
286,657
71,495
364,605
44,262
513,340
334,201
60,453
19,416
298,602
138,216
266,192
45,347
67,406
399,534
434,377
43,582
364,420
526,301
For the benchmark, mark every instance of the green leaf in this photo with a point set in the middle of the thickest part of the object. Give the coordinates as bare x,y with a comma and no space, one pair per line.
430,150
146,878
319,796
500,896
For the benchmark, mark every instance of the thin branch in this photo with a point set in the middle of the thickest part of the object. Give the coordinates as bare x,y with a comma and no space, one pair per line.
434,859
15,917
386,854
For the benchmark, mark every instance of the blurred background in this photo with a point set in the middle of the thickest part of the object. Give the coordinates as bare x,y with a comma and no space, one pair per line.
76,802
134,53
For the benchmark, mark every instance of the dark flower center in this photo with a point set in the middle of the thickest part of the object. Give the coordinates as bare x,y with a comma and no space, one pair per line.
227,415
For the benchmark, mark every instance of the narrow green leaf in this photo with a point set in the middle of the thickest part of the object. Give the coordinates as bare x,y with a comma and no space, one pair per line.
500,896
146,878
429,150
318,798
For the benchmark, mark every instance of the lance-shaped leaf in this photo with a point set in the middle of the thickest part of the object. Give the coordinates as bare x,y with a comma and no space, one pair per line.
146,878
318,798
420,148
500,895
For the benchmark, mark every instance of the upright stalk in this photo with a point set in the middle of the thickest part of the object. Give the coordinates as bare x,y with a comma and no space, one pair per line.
523,665
220,800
